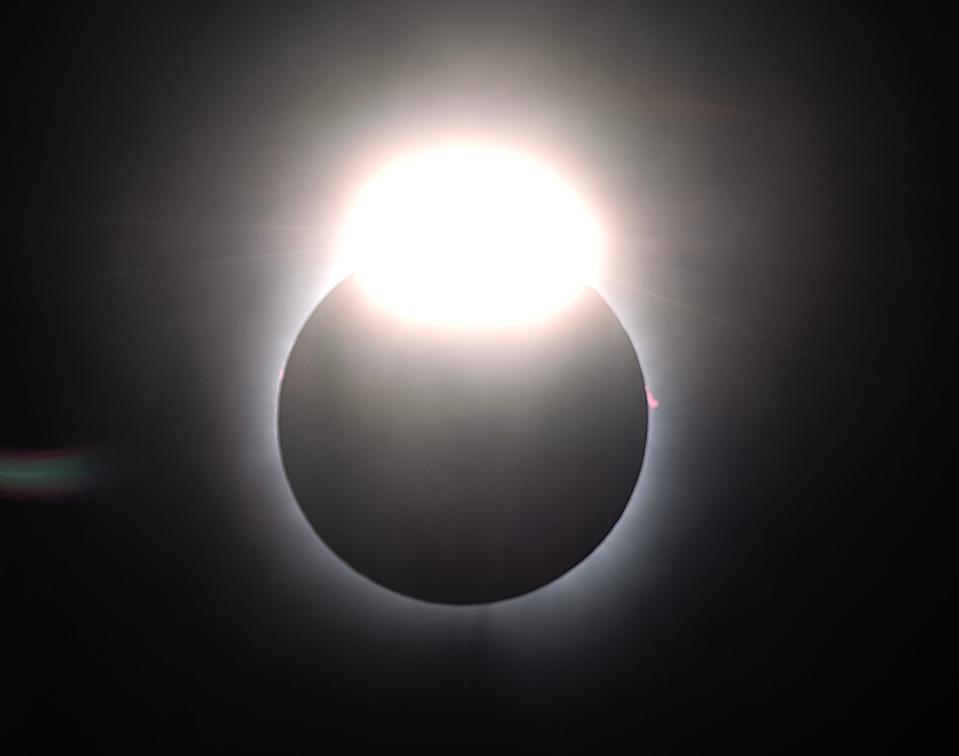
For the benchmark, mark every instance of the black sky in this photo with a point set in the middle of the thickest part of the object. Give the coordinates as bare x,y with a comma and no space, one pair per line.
778,579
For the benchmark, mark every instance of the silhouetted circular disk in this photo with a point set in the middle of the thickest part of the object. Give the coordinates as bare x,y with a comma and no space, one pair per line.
461,465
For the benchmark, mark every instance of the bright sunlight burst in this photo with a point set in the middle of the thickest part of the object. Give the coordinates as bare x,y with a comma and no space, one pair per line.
471,235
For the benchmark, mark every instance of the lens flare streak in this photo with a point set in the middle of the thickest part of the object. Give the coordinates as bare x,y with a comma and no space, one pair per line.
50,474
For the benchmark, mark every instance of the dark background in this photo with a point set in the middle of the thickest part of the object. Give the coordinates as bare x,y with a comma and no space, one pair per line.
768,173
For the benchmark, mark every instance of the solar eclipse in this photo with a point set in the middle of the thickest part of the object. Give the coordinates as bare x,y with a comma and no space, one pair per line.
463,419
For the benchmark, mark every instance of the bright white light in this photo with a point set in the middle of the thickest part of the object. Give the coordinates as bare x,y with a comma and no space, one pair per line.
471,235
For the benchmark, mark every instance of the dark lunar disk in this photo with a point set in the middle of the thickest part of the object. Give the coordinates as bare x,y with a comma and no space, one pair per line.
461,465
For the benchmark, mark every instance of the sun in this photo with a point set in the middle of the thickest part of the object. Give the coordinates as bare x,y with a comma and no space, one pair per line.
470,235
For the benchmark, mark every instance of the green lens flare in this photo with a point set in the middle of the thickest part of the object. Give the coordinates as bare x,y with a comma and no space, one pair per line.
50,474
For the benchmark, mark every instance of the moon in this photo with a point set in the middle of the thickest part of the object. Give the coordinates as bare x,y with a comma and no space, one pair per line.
461,466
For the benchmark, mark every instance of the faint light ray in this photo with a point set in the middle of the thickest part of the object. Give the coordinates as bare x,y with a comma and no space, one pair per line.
51,474
737,327
186,264
186,223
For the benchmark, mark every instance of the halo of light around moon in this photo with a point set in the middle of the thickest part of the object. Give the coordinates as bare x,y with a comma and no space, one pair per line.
463,418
